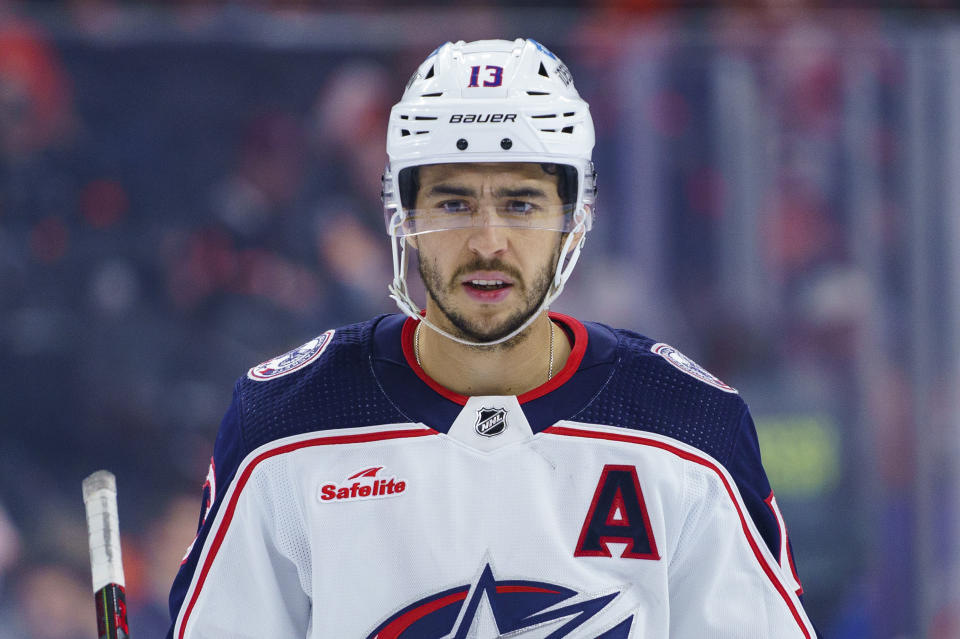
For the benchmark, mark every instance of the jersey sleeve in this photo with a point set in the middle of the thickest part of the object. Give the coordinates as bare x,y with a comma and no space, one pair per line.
747,470
234,580
729,577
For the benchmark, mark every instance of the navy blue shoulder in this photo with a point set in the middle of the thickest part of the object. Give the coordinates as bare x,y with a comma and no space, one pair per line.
326,383
656,389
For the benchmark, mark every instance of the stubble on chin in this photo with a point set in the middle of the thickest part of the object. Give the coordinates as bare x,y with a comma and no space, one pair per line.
464,327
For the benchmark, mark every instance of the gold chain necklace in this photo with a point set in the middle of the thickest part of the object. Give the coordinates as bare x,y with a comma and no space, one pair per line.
416,348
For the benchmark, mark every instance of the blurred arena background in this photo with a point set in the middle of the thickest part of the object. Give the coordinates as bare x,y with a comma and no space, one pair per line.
187,189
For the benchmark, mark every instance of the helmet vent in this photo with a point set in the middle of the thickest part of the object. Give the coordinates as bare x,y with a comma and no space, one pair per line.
425,117
569,114
546,115
404,132
429,73
543,71
432,95
566,129
538,93
404,117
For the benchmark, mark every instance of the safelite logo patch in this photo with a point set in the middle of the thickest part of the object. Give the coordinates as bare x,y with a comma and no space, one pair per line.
362,485
296,359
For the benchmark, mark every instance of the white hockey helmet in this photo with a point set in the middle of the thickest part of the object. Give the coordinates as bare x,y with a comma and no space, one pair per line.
489,101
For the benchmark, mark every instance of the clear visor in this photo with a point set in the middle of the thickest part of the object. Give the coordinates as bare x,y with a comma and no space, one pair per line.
443,197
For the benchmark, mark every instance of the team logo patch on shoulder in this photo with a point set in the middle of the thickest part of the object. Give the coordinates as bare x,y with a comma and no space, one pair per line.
296,359
690,367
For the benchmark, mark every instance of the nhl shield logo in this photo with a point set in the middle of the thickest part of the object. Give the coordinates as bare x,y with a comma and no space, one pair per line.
491,421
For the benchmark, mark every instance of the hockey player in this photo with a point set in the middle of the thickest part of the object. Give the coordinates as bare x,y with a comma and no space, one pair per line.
483,467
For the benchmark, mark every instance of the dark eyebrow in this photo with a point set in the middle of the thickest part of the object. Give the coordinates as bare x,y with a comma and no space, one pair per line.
464,191
526,191
446,189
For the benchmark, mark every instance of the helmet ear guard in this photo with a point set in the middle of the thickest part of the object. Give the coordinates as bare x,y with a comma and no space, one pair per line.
489,101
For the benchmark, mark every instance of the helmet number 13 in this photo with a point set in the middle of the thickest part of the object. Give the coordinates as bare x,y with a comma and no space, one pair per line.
493,76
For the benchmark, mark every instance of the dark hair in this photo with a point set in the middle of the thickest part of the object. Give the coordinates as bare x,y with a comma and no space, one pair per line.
409,183
566,181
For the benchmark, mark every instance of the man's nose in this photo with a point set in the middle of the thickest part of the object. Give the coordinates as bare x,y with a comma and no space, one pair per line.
487,238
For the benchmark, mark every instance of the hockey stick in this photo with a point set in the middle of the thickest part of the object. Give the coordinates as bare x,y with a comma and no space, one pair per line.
106,565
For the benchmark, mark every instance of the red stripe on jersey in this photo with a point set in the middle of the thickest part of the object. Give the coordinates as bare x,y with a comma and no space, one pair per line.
770,501
396,627
406,341
573,361
358,438
644,441
404,621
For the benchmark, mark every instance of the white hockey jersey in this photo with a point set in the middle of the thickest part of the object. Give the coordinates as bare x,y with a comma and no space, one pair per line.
352,497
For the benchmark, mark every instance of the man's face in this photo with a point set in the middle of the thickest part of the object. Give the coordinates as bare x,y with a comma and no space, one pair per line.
487,279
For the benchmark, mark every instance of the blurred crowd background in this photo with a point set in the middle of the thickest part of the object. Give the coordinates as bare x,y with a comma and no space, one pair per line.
187,189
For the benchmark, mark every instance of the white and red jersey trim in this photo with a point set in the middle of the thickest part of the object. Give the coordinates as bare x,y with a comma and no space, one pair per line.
227,509
786,559
784,584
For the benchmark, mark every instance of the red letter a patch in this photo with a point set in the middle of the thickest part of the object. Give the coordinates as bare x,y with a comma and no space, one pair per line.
617,514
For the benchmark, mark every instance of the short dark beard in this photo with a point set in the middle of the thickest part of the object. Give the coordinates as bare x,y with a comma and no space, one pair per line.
464,328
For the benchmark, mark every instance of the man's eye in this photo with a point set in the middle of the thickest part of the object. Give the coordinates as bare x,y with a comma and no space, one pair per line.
519,207
454,206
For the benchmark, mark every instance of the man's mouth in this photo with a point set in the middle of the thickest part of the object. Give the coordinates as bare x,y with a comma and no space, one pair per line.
486,285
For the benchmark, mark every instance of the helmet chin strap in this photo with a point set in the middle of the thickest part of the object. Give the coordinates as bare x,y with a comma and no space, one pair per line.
400,294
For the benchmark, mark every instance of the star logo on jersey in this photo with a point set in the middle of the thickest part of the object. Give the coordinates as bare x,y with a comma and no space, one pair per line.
490,608
491,421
